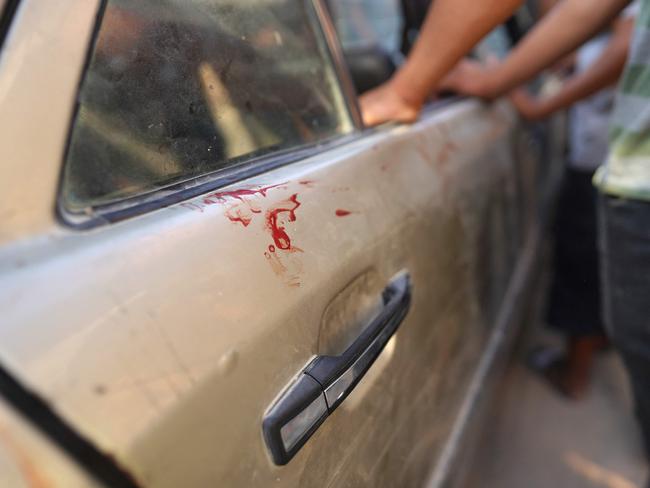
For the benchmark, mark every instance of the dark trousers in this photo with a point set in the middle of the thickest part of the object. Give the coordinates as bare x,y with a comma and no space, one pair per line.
625,270
574,306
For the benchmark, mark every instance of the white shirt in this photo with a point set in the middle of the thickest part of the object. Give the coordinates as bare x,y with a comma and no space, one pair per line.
589,119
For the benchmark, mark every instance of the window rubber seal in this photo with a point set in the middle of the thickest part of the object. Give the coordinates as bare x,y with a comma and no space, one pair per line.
6,16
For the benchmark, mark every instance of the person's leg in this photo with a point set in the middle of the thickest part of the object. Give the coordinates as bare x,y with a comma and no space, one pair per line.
625,268
574,297
580,354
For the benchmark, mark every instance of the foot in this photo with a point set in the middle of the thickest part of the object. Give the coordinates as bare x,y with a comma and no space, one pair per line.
552,365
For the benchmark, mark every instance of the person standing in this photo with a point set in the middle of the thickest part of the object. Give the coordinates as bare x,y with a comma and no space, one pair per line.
574,307
623,182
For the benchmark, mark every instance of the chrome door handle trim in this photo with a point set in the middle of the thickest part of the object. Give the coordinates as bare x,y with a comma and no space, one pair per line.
321,387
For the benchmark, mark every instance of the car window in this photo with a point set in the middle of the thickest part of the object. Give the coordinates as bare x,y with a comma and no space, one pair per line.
177,89
361,23
497,44
7,10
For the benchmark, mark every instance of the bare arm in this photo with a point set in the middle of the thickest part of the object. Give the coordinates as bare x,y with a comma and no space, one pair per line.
562,30
450,31
602,73
545,6
452,28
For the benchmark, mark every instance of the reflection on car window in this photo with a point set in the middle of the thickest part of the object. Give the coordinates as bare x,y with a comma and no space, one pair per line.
180,88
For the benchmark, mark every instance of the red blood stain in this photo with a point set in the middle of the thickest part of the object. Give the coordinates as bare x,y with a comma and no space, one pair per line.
271,248
278,232
219,197
238,214
447,150
422,150
222,196
342,213
307,183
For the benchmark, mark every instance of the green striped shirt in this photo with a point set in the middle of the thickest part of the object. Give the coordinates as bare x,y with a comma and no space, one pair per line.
626,172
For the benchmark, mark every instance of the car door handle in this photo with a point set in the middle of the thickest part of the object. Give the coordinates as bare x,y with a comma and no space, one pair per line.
321,387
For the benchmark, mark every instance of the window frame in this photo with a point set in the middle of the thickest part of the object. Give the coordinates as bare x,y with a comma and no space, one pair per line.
8,9
192,187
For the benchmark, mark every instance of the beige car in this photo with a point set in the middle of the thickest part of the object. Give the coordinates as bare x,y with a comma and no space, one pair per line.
212,275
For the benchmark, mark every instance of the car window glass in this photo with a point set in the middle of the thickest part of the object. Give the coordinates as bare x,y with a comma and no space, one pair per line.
361,23
495,45
176,89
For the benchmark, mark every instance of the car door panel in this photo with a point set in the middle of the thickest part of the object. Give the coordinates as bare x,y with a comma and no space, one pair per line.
164,339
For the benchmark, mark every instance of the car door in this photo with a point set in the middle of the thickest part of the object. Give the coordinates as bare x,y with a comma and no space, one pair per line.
214,230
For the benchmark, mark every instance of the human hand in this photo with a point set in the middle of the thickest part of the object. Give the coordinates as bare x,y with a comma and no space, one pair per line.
385,104
473,78
529,107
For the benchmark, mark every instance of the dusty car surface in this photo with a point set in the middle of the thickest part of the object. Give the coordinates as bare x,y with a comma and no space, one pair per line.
211,274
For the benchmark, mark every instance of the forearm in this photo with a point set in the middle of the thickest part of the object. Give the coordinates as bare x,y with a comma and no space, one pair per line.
566,27
545,6
603,73
452,28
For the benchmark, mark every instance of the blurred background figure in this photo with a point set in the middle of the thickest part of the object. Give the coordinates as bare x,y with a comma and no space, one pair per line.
574,307
623,181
